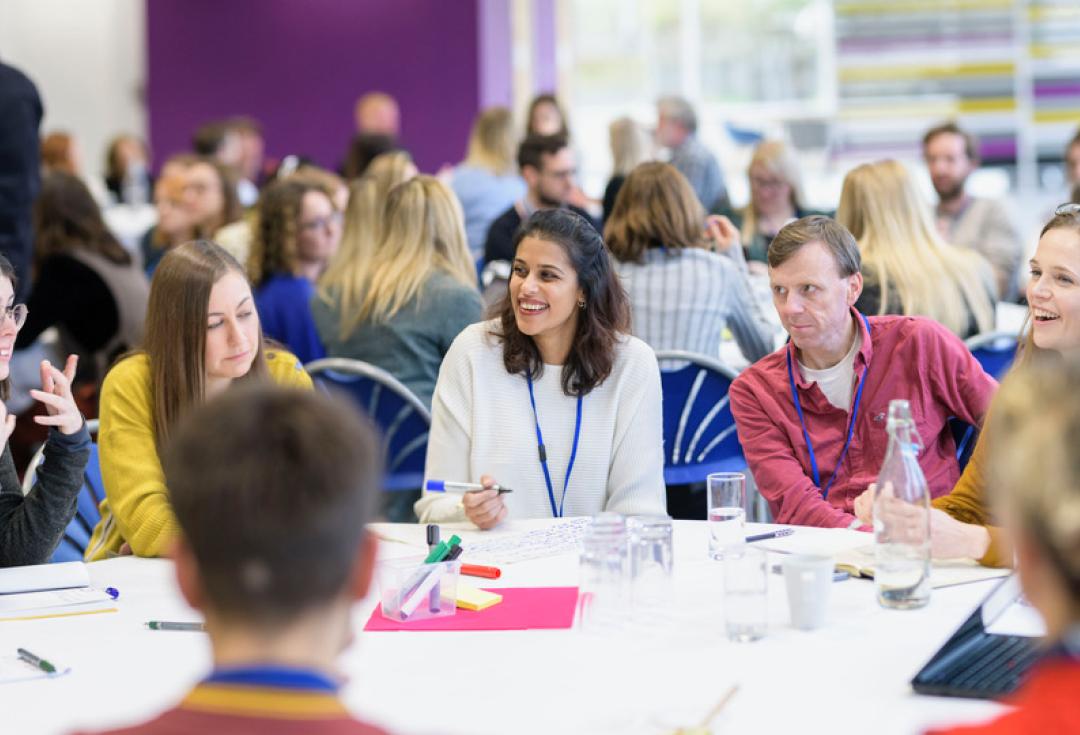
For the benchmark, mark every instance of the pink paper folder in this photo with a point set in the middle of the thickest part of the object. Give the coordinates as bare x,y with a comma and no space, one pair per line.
522,608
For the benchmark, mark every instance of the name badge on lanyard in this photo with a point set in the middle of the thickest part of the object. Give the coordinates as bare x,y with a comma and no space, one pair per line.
806,433
556,508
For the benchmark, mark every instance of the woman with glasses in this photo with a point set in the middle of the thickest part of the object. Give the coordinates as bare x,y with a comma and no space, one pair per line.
297,231
962,524
202,337
776,198
31,526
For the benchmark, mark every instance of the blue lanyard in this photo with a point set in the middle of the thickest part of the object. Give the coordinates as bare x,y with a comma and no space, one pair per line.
806,434
556,509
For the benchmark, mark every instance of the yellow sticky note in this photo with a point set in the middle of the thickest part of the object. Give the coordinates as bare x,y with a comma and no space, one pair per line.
472,598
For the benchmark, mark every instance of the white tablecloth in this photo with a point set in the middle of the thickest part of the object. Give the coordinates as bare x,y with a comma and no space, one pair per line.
849,677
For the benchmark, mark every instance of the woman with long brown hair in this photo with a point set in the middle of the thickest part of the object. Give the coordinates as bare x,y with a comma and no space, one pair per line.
85,282
556,368
202,335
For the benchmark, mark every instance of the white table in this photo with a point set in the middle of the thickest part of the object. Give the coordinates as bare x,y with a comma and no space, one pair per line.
851,676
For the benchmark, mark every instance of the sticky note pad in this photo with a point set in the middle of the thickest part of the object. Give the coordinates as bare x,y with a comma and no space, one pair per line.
471,598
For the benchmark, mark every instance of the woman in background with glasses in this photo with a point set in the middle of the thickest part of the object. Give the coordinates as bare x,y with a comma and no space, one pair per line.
776,198
298,230
32,525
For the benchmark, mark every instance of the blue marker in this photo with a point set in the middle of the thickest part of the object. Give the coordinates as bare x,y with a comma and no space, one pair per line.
441,486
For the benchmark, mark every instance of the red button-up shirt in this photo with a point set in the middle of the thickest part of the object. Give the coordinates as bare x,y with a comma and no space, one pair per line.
901,357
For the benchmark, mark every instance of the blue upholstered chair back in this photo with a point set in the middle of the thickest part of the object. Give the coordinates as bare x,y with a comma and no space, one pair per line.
403,420
994,351
699,430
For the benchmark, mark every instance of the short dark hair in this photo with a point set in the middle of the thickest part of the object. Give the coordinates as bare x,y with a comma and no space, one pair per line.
209,137
817,228
272,488
605,316
535,147
971,143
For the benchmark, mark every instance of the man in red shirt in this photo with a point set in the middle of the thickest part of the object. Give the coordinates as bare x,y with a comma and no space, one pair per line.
272,489
811,417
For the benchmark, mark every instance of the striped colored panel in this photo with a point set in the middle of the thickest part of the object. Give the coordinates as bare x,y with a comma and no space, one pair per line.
926,71
263,701
1066,115
920,6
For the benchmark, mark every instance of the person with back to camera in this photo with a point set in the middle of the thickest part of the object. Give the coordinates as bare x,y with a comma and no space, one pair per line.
277,586
686,282
552,398
1034,479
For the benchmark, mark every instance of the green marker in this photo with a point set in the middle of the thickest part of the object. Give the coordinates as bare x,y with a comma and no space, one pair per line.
36,662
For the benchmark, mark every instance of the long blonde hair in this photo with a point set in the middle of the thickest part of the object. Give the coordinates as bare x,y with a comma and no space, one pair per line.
491,142
902,251
423,233
776,157
342,283
629,145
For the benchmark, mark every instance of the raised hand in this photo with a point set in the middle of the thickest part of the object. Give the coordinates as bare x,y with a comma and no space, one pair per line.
55,393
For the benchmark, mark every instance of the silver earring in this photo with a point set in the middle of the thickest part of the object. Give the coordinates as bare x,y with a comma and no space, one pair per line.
581,304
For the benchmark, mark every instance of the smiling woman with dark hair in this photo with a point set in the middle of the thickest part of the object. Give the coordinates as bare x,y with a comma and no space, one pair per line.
553,397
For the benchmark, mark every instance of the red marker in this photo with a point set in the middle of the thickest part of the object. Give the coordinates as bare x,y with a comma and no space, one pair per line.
475,570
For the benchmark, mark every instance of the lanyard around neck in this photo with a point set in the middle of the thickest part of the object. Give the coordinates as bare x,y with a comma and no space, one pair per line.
556,508
806,433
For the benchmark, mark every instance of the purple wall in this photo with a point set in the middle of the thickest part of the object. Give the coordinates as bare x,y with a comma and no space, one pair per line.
298,67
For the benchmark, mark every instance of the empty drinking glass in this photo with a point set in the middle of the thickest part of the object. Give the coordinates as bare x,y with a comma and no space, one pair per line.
603,598
746,587
726,493
650,564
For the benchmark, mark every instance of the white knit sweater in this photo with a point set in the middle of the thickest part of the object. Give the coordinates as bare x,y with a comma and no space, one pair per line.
482,423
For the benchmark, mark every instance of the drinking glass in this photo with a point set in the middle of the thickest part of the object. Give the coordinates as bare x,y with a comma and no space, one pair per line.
746,587
726,493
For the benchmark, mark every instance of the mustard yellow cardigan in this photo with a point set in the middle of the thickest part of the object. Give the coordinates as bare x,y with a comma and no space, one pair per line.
136,506
967,503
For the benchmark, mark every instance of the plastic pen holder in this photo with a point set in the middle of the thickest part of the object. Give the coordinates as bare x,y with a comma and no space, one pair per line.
411,590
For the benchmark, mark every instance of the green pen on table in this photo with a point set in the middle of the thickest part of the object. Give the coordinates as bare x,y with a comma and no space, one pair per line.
36,662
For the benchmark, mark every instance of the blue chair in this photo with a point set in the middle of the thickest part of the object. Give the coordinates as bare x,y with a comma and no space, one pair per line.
699,430
965,435
994,351
403,420
87,513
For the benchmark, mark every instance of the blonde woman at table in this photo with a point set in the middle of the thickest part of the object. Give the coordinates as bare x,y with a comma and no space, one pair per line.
553,397
202,335
1035,487
962,524
907,268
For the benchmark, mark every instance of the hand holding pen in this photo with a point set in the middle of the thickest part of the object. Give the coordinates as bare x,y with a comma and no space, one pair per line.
485,507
